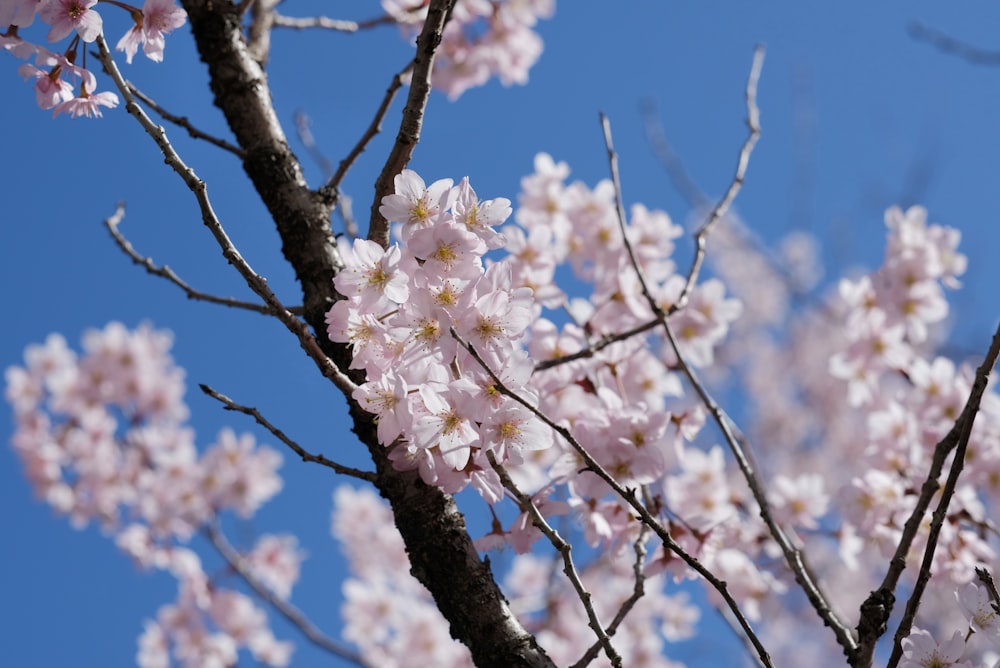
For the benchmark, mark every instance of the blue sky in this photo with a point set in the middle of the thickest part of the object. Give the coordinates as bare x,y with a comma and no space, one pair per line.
856,115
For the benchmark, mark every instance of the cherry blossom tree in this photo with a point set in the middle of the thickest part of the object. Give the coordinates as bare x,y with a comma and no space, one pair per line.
547,357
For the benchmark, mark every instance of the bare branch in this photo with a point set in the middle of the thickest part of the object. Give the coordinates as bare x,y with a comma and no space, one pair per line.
629,497
875,610
720,210
955,47
182,121
280,435
964,431
600,344
638,591
620,210
438,14
338,25
297,618
259,31
332,188
565,552
793,556
166,272
429,521
664,152
987,579
305,135
256,283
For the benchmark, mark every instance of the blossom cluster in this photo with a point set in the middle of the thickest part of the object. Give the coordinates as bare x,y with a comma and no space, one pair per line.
404,316
471,352
626,405
103,438
865,399
410,311
483,39
61,83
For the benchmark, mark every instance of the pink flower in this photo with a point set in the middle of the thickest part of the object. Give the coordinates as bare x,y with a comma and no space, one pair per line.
276,561
481,217
157,18
921,651
449,250
415,204
50,89
980,611
372,276
88,105
65,16
18,12
446,424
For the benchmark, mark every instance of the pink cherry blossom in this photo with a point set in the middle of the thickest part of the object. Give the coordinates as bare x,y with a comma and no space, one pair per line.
415,204
65,16
921,651
373,276
88,104
18,12
159,17
275,561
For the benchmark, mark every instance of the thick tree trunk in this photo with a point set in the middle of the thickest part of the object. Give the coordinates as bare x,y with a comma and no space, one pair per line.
441,552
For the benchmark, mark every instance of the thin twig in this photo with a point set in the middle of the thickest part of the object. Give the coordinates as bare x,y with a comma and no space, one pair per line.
947,44
592,348
332,187
964,424
166,272
565,551
793,556
280,435
638,591
987,579
664,152
305,135
875,610
438,14
297,618
720,210
258,37
620,210
200,190
343,201
182,121
339,25
628,496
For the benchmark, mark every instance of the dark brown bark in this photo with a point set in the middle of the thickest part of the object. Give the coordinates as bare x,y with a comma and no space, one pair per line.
441,552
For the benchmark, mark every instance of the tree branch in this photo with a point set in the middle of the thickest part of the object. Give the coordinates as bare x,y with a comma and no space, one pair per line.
200,190
964,426
182,121
793,555
441,552
295,616
875,610
638,591
720,209
565,551
628,497
166,272
955,47
438,14
280,435
332,188
338,25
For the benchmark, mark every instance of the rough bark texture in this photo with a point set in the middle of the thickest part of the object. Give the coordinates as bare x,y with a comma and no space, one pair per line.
441,552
